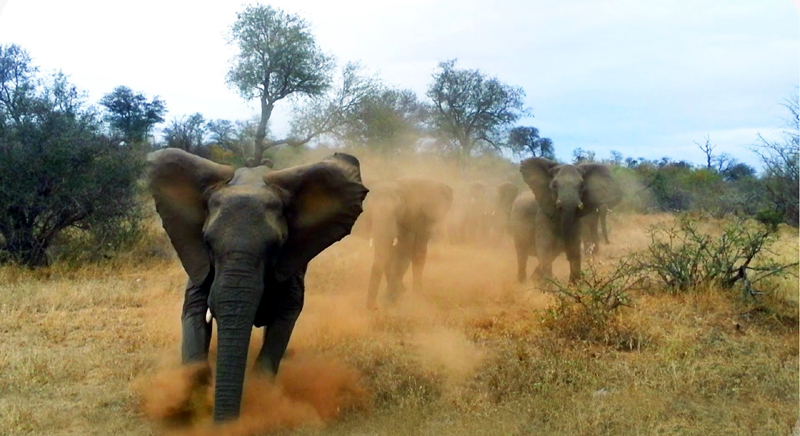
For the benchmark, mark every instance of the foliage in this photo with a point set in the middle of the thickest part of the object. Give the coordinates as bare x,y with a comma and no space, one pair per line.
57,169
187,133
781,158
130,115
386,120
335,110
526,142
277,58
586,309
470,110
682,257
580,155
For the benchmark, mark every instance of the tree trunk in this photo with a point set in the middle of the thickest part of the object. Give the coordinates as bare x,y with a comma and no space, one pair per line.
261,132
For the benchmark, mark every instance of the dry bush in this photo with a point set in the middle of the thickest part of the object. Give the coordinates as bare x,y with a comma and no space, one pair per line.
588,310
682,256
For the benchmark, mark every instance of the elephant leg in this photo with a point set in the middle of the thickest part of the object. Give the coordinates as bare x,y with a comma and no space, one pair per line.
546,245
594,239
603,214
380,265
523,250
573,251
401,260
286,309
375,277
418,256
196,332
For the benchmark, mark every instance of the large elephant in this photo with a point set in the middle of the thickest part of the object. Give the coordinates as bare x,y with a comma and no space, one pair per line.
245,238
564,194
400,216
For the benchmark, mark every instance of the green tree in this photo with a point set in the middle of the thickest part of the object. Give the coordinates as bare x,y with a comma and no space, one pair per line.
277,58
57,169
470,109
332,112
130,115
526,142
389,120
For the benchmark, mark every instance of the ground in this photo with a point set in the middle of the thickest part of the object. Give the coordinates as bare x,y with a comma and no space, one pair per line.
94,350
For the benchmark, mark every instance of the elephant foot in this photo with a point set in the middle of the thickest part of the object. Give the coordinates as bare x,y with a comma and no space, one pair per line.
194,402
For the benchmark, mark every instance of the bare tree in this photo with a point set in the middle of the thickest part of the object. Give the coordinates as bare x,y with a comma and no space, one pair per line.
708,149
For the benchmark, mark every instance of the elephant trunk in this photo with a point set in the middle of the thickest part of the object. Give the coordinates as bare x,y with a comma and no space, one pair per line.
569,224
235,298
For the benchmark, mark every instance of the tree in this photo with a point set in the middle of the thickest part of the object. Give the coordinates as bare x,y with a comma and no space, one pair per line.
708,150
780,160
470,109
278,58
387,120
221,132
331,112
130,115
57,169
525,142
580,155
186,133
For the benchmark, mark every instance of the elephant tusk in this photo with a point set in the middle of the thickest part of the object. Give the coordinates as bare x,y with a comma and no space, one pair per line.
394,242
370,242
580,206
208,316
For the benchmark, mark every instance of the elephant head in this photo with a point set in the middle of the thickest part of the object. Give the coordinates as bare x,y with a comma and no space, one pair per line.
246,228
567,192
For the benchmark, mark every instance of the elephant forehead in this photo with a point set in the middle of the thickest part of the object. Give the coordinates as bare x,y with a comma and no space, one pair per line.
250,176
241,198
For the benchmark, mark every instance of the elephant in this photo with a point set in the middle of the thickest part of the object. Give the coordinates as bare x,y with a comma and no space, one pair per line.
504,198
245,238
522,222
564,194
400,216
471,222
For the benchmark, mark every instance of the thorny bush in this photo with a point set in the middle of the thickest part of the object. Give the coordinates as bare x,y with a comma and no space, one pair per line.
681,256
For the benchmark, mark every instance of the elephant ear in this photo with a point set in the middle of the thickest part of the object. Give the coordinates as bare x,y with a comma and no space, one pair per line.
600,186
323,201
537,173
181,183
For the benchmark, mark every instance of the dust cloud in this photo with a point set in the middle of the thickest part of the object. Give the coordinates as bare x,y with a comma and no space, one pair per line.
340,351
309,392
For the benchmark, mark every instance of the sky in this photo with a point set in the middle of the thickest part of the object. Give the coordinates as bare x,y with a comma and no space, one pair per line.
645,78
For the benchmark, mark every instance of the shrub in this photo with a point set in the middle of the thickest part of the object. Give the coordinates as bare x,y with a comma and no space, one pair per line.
682,257
57,169
586,309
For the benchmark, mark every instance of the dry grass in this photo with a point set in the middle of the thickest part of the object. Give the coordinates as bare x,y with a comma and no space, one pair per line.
470,356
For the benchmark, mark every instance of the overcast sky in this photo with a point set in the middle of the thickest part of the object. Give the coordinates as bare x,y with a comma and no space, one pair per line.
646,78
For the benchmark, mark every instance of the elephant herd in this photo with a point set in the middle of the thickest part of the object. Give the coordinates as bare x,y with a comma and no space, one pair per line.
245,237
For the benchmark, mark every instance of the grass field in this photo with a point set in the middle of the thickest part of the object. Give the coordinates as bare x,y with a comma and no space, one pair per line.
94,351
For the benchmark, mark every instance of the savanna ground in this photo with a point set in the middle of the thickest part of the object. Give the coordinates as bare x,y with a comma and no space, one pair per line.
94,350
